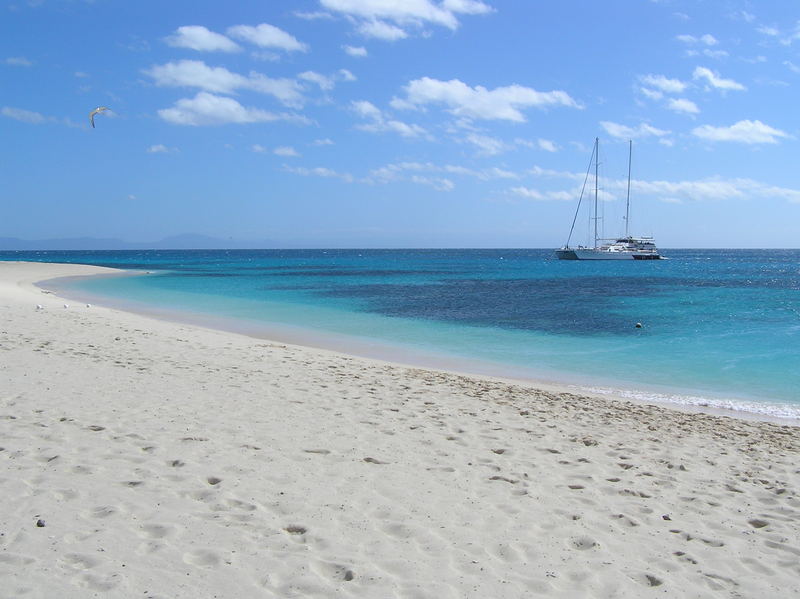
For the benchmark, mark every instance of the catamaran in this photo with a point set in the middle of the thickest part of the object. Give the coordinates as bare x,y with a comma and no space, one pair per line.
620,248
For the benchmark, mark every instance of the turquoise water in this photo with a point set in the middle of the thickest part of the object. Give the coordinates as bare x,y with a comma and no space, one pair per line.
720,327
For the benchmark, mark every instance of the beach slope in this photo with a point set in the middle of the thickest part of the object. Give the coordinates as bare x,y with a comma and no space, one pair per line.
143,458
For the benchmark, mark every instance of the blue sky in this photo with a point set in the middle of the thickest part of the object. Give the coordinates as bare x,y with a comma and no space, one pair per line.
400,123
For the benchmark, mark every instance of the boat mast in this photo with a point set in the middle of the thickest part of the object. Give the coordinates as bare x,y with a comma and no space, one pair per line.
628,199
596,161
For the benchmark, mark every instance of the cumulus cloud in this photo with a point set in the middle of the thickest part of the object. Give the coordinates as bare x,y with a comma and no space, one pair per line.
670,86
327,82
715,81
547,145
381,123
357,51
196,73
24,116
682,105
209,109
625,132
197,37
502,103
267,36
391,20
747,132
381,31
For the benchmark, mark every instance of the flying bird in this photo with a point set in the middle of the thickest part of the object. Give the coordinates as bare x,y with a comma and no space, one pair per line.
97,110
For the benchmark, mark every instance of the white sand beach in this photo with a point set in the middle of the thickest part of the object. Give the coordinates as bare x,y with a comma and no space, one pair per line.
144,458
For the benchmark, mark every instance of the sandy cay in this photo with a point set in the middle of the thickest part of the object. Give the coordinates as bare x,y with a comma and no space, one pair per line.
148,459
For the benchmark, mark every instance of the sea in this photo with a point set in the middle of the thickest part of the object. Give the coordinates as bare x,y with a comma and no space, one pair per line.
718,329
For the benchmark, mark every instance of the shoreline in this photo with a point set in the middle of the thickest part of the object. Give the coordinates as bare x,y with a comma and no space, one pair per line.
142,457
685,400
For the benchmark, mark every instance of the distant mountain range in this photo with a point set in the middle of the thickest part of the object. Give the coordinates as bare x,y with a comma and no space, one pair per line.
176,242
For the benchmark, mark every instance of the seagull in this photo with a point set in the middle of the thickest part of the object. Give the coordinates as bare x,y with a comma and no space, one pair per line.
97,110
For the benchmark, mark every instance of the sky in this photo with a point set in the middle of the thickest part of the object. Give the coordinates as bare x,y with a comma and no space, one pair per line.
401,123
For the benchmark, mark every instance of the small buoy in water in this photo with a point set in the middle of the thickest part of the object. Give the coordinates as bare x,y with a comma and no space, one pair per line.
638,325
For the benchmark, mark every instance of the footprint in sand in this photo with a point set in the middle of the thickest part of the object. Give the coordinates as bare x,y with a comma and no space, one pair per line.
584,543
79,561
155,531
202,558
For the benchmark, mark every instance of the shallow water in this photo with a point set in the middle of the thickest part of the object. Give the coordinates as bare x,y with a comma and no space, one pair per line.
720,327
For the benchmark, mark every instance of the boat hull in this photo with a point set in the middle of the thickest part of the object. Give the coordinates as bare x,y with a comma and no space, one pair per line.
591,254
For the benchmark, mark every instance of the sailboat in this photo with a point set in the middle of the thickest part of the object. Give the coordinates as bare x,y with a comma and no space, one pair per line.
620,248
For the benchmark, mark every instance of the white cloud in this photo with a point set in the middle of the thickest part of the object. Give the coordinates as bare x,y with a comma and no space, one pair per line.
325,82
707,39
682,105
709,189
258,148
322,142
714,189
18,61
319,171
670,86
357,51
715,81
409,11
502,103
313,16
25,116
380,123
208,109
715,53
791,66
197,37
158,149
547,145
390,20
653,94
396,172
381,31
196,73
747,132
625,132
267,36
285,151
488,146
769,31
535,194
